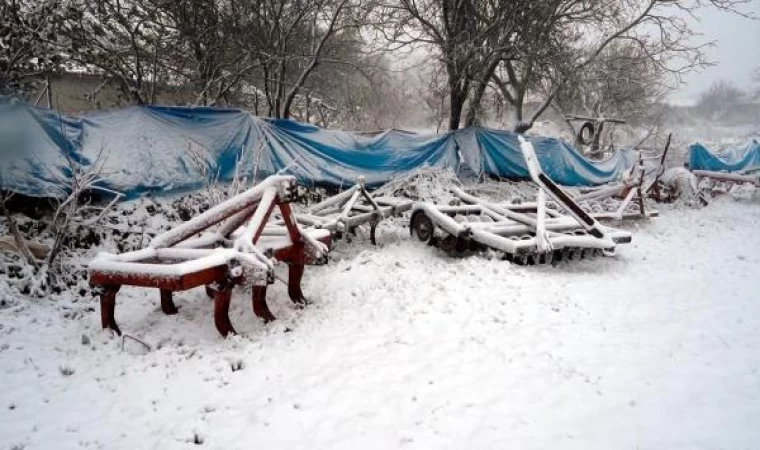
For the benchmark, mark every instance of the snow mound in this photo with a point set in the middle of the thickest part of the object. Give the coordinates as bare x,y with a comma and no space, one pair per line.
426,184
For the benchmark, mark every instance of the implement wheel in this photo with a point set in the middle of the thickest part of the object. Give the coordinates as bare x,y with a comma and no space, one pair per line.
422,226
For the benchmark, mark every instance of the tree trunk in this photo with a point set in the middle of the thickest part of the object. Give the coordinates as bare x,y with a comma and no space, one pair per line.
456,104
480,90
517,116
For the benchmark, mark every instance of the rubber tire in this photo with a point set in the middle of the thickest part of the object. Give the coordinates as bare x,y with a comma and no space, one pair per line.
422,226
581,133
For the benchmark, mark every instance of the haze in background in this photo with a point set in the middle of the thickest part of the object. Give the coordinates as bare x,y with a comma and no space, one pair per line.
736,51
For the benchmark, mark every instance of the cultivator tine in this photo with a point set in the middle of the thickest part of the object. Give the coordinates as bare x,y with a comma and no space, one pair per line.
167,304
546,258
222,296
108,308
295,273
372,231
354,207
259,303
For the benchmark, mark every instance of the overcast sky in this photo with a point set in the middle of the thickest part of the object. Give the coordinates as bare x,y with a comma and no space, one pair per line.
736,53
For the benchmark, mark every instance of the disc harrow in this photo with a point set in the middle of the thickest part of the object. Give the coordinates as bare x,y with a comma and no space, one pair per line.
524,234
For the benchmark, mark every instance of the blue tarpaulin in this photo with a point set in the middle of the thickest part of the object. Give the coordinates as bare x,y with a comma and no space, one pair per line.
730,159
497,152
143,150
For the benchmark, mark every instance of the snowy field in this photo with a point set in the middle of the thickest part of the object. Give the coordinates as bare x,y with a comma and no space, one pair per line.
403,347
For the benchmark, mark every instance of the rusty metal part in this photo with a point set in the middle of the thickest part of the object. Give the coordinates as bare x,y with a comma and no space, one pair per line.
220,279
108,307
259,302
222,296
167,304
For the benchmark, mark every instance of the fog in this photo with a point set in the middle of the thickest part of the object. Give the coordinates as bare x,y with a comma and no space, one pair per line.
735,53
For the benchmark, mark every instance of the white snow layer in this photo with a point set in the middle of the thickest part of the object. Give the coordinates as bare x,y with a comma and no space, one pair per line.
403,347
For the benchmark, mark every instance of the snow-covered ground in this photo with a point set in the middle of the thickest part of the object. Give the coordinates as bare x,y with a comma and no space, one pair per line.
404,347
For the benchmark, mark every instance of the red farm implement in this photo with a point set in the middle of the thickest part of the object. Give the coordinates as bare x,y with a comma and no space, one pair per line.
233,243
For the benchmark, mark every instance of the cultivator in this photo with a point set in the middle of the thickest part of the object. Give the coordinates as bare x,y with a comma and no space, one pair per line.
344,212
524,233
242,250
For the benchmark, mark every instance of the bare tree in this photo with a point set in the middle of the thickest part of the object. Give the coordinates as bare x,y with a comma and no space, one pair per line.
469,37
30,42
77,209
528,49
208,54
580,32
719,99
622,82
291,39
122,39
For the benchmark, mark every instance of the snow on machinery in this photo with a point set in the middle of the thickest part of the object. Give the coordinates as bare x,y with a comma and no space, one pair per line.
343,212
624,200
241,250
644,180
589,135
714,183
524,233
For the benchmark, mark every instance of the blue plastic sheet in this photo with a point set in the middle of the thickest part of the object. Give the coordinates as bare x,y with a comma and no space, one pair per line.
731,159
37,151
497,152
165,150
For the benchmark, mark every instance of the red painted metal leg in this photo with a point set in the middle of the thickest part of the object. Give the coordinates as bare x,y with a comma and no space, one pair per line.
108,307
295,273
222,296
167,304
260,307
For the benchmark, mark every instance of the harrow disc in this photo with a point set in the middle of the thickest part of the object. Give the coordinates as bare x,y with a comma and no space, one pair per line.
521,259
546,258
448,244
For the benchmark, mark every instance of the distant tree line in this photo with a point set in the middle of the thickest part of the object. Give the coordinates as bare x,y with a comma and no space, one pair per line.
725,100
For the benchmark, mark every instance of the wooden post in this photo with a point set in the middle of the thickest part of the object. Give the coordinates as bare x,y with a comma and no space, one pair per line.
49,91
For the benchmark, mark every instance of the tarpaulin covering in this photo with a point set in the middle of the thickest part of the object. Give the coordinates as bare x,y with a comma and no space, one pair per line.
731,159
37,151
143,150
497,152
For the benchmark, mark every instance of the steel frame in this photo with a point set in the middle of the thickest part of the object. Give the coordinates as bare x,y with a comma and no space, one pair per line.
241,251
528,233
344,212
